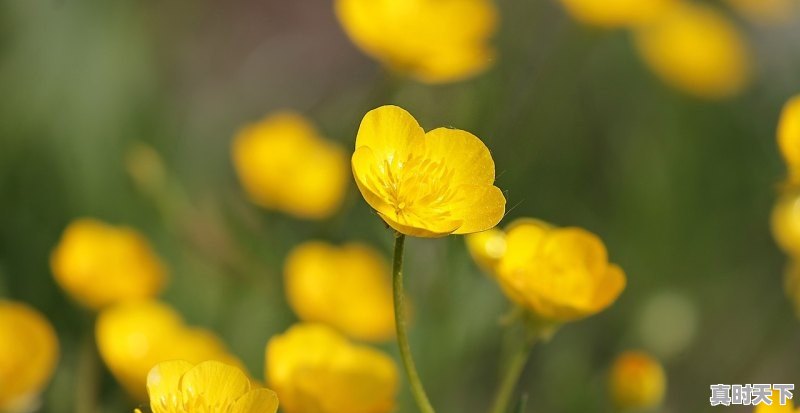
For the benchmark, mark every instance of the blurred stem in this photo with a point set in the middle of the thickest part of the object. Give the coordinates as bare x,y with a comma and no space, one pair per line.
516,365
400,323
87,374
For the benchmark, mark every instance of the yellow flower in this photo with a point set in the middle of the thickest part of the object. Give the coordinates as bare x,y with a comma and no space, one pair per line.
487,248
315,369
789,138
616,13
100,264
637,381
346,287
766,11
694,48
210,386
135,336
28,355
786,223
283,164
425,184
434,41
776,407
558,274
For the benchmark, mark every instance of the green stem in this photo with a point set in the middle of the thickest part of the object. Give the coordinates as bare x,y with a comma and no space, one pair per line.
512,374
87,374
400,323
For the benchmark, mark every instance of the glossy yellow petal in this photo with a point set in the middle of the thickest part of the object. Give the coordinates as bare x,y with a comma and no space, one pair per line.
789,137
391,133
616,13
487,248
163,385
257,401
28,355
214,383
467,156
480,207
696,49
637,381
367,171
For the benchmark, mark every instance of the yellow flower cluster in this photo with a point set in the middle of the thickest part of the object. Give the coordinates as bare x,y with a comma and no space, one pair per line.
133,337
28,356
637,381
100,264
434,41
689,45
557,274
346,287
315,369
285,165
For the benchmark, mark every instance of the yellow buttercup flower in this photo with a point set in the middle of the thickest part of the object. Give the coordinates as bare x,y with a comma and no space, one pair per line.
285,165
789,138
776,407
766,11
434,41
135,336
210,386
346,287
100,264
425,184
315,369
28,355
696,49
616,13
786,223
487,248
557,274
637,381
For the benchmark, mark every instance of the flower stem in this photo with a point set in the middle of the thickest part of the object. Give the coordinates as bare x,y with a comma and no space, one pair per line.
400,324
87,373
512,374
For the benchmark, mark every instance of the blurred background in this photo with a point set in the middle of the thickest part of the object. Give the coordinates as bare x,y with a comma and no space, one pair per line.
680,188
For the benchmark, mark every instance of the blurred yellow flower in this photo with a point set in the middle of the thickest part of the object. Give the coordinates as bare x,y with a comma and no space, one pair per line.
434,41
28,355
135,336
100,264
776,407
637,381
182,387
694,48
425,184
786,223
487,248
346,287
789,138
616,13
558,274
766,11
315,369
284,164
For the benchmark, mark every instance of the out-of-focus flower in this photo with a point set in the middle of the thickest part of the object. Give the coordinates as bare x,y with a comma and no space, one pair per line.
667,323
182,387
28,355
776,407
557,274
487,248
637,381
694,48
135,336
315,369
616,13
100,264
346,287
789,138
146,168
284,164
766,11
786,223
434,41
425,184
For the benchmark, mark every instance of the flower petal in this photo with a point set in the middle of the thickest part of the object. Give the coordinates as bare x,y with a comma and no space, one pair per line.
464,154
434,229
365,168
609,287
257,401
481,207
391,132
163,383
215,382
